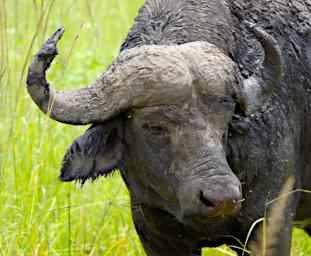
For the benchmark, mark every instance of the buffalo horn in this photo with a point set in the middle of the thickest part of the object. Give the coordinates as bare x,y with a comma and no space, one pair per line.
259,87
138,77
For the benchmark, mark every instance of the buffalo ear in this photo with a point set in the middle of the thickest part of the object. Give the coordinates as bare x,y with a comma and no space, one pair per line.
95,153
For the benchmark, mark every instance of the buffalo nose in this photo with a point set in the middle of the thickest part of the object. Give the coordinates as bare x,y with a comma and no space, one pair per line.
221,200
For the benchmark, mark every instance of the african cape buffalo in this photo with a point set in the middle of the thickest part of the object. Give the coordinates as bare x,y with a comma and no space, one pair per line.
205,112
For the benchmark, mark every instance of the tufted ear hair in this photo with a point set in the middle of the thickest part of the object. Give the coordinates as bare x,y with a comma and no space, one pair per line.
95,153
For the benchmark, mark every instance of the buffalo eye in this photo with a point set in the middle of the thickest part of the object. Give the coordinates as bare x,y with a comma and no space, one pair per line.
227,104
227,100
155,129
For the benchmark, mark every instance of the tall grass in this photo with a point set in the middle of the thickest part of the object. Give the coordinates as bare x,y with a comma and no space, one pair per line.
38,214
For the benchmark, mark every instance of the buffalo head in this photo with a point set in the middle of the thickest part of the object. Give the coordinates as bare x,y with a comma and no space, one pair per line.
160,114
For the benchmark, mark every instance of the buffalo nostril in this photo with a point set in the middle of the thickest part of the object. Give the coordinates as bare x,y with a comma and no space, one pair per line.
221,201
205,201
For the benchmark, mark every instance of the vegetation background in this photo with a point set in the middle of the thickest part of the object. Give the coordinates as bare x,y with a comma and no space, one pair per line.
38,214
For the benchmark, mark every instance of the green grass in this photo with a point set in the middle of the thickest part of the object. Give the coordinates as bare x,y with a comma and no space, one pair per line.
38,214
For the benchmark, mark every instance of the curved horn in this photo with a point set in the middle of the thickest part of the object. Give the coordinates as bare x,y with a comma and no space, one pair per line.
83,106
139,76
260,86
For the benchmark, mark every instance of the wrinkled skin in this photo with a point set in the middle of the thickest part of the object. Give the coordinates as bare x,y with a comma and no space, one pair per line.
200,152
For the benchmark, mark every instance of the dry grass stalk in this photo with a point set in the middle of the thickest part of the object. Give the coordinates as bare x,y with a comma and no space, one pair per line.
266,236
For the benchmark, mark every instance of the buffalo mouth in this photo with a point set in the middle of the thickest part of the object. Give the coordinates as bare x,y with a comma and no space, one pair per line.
189,219
209,216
